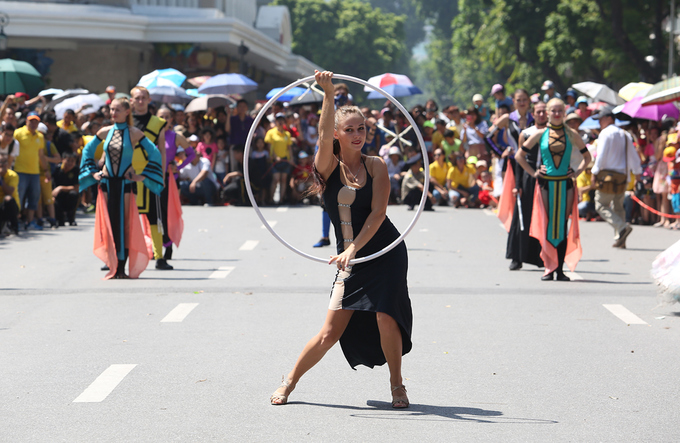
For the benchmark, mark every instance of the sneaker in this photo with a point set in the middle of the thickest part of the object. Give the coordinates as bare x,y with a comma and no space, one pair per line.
73,223
623,235
515,265
53,223
90,209
322,242
163,265
33,226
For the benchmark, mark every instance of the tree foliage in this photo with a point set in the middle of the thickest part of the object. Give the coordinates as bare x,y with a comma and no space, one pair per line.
520,43
347,36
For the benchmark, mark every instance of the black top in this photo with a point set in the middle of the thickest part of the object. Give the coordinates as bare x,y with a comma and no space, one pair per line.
70,178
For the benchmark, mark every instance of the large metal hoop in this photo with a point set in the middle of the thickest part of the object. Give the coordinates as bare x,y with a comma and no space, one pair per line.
246,174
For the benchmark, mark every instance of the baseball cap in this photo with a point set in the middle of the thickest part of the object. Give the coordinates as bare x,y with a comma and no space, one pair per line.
581,99
605,111
110,88
548,84
669,154
481,163
179,150
571,93
472,160
428,124
33,116
496,88
477,97
193,138
413,160
394,150
42,127
280,115
22,95
573,116
303,154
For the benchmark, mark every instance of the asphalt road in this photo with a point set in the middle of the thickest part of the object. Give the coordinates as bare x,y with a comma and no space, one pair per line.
193,354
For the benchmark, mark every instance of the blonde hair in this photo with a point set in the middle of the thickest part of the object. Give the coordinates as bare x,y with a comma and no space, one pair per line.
140,88
344,111
126,104
555,101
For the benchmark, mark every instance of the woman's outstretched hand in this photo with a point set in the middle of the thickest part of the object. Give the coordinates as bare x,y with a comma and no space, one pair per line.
323,79
343,259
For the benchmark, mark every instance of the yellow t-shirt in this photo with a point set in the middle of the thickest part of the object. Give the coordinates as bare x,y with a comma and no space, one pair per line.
11,178
465,178
71,128
437,138
279,141
440,173
582,181
28,160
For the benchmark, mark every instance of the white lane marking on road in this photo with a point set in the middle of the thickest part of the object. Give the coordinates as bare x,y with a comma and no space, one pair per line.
248,245
104,384
489,212
282,209
221,272
625,315
573,275
179,313
271,223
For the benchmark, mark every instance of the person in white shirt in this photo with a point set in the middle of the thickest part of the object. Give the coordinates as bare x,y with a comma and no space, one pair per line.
197,182
615,152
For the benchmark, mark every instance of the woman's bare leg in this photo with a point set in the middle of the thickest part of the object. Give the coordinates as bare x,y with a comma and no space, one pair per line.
316,348
391,343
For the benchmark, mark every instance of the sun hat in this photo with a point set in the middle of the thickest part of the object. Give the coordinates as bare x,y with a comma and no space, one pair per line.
477,97
581,99
394,150
497,88
669,154
573,116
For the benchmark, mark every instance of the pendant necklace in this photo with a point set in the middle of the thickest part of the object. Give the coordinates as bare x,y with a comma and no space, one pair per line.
355,179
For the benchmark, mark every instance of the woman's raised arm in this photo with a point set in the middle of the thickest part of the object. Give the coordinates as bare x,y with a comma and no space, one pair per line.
324,159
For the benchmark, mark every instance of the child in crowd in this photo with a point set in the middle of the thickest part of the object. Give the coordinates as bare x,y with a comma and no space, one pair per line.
312,134
482,108
207,147
300,178
222,161
193,141
260,170
485,183
395,166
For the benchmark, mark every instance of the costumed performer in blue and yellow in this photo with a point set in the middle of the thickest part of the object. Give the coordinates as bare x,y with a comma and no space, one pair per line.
562,156
118,232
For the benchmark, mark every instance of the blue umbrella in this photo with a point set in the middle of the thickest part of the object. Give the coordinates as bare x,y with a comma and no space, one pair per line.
169,94
396,90
194,93
162,77
228,84
288,96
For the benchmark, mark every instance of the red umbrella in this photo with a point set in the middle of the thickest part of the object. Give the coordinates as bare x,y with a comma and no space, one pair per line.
198,81
597,106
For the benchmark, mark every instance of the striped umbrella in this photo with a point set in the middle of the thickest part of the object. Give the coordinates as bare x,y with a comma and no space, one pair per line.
663,92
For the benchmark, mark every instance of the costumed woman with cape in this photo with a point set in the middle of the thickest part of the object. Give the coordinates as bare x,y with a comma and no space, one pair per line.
562,156
118,232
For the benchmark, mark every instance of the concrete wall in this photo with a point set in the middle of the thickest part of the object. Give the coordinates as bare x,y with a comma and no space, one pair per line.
94,67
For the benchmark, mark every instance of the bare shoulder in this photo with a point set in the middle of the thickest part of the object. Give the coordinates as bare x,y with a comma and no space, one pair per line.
104,131
135,135
376,165
536,136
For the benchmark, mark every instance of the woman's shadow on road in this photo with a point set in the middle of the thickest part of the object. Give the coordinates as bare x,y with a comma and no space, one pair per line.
383,410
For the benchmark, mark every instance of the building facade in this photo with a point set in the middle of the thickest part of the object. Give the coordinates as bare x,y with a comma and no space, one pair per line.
95,43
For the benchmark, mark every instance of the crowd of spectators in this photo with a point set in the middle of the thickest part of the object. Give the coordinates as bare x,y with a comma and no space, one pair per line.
40,154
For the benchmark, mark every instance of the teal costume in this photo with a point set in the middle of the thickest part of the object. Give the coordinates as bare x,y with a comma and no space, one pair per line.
118,151
557,183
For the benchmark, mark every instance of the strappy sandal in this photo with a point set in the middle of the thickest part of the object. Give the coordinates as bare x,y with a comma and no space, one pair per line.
280,397
402,399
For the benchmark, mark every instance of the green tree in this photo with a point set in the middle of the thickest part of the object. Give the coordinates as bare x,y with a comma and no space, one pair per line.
347,36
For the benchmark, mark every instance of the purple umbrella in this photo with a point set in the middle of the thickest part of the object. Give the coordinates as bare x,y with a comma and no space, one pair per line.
635,109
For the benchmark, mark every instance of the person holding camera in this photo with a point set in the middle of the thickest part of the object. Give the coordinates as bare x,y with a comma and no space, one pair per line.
616,159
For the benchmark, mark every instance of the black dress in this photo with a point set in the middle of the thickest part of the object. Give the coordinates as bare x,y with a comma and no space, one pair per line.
379,285
521,246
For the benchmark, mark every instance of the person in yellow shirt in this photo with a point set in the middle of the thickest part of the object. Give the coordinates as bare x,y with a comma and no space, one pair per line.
438,134
68,123
439,170
461,183
586,187
27,164
281,153
9,197
46,200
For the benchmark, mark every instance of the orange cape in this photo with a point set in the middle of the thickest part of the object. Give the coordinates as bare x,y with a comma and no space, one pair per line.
105,247
539,229
506,204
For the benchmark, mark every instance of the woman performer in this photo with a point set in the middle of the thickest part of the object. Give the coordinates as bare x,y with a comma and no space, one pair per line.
173,229
561,150
115,184
370,310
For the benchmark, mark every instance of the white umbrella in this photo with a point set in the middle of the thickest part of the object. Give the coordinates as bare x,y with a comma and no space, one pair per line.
208,101
63,96
169,94
93,102
50,91
599,92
